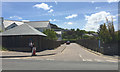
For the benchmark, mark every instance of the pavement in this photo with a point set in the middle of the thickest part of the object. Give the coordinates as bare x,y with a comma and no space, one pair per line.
24,55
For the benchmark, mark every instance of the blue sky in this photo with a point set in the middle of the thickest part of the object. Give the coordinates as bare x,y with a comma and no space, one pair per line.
82,15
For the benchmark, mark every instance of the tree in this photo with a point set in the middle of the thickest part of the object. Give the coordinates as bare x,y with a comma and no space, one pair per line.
90,32
73,34
50,34
111,29
100,28
107,33
104,34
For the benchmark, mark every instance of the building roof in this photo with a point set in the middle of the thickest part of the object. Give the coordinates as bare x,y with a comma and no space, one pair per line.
38,24
14,24
9,22
23,29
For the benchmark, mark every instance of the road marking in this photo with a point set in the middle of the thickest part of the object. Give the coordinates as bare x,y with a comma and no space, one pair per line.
83,59
111,61
11,58
80,55
89,59
90,52
110,58
85,49
50,59
98,60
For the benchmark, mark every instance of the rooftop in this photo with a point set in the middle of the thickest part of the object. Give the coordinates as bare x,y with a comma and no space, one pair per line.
23,29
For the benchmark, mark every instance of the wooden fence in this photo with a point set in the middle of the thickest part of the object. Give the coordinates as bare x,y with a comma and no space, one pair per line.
93,44
21,43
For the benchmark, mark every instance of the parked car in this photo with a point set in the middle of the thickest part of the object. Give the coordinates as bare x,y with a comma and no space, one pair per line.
68,42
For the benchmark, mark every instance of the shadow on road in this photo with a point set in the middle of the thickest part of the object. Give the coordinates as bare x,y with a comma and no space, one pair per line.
13,56
25,56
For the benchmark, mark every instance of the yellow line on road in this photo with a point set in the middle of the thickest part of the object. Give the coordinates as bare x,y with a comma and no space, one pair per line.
111,61
99,55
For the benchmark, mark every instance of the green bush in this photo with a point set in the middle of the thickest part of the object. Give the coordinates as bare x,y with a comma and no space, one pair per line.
86,36
3,49
51,34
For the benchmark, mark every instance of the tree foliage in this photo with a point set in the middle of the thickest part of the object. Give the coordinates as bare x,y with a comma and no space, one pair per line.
74,34
104,33
107,33
50,34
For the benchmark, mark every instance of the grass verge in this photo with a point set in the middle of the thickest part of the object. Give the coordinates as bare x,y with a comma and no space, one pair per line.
3,49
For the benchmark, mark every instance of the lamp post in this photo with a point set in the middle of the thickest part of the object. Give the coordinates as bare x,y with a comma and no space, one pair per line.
99,43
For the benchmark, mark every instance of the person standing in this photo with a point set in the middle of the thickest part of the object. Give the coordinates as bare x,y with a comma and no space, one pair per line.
31,45
34,51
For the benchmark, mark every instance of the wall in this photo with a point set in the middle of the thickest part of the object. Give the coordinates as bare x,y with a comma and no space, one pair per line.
21,43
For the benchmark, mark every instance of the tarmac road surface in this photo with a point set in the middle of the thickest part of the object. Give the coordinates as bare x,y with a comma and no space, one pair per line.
73,57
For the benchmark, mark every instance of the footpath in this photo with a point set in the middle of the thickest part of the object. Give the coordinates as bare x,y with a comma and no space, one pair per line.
14,54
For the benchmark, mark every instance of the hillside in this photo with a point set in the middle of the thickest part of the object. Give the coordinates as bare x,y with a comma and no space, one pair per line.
53,26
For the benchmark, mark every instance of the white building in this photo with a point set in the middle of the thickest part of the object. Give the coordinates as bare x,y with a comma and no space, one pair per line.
59,34
39,25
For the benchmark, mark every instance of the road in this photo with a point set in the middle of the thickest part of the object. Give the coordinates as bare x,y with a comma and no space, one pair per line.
73,57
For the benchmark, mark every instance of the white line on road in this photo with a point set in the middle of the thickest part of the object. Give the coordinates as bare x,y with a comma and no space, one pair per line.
85,59
50,59
98,60
82,57
111,61
89,59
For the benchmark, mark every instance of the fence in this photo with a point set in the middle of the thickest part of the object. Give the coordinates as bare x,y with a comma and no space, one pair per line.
108,49
21,43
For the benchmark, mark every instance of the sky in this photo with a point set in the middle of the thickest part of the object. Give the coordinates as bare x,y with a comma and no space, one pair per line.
71,15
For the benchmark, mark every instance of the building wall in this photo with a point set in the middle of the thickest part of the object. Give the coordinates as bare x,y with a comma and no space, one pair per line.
59,35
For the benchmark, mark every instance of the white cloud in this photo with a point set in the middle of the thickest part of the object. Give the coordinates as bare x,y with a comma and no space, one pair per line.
70,23
92,1
51,6
52,20
43,6
94,20
97,7
56,2
109,1
51,10
71,16
25,20
15,17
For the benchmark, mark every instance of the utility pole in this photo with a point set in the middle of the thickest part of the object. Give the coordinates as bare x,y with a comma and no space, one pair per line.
1,23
